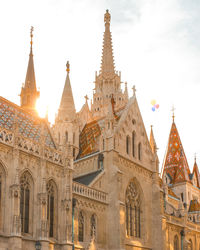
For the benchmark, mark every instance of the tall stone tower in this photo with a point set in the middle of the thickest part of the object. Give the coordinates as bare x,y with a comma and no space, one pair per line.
108,81
66,129
29,93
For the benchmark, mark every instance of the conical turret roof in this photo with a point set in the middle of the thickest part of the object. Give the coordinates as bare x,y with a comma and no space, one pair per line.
67,109
152,141
195,174
175,164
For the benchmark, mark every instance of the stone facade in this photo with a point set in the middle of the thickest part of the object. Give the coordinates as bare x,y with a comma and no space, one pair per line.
91,181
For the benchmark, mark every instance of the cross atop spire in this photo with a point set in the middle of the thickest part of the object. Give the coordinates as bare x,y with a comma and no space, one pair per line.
31,35
107,64
68,67
173,116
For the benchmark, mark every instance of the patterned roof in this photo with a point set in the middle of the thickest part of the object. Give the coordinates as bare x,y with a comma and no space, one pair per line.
88,138
194,206
196,175
175,164
29,125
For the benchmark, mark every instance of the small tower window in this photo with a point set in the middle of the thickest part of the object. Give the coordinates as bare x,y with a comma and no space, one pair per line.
74,138
133,143
127,144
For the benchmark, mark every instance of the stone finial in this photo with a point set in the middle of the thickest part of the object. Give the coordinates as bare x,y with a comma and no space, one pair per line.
107,17
134,90
68,67
86,98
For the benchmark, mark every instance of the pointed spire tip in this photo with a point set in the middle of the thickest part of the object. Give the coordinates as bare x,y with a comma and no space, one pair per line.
68,67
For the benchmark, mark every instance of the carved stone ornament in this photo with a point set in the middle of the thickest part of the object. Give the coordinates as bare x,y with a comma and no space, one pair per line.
132,194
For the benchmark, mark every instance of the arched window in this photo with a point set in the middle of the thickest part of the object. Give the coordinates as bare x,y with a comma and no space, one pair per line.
133,210
25,189
80,227
127,144
139,151
66,136
133,143
51,201
93,225
190,247
176,243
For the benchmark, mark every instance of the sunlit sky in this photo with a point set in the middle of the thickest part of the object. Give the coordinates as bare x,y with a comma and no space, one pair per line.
156,47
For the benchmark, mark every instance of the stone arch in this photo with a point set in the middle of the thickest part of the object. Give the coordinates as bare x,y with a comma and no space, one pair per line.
134,209
176,242
52,207
26,201
81,225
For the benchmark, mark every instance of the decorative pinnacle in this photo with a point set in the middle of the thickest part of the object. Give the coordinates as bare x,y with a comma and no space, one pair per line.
31,35
68,67
195,157
107,17
134,90
86,98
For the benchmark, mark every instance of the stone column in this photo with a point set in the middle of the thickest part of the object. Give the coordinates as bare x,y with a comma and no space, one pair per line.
15,240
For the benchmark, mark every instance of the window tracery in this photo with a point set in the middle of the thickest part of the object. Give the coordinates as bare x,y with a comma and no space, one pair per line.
93,225
133,210
176,244
80,227
25,188
51,207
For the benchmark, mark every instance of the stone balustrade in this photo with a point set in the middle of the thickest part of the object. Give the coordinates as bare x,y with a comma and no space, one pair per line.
88,192
10,138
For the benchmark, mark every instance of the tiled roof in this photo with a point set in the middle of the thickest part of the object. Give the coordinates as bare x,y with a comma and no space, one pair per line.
175,164
29,125
88,138
194,206
88,178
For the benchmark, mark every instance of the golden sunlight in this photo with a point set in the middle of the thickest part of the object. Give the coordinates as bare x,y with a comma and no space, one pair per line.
41,108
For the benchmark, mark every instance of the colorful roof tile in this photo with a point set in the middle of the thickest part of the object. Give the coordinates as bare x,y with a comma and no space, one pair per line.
175,164
194,206
88,138
29,125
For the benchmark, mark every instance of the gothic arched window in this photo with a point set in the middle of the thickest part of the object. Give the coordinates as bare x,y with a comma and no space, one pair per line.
133,210
80,227
93,225
176,243
139,151
133,143
190,247
25,189
51,201
127,144
74,138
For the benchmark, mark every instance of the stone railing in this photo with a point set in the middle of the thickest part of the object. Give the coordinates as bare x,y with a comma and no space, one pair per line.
6,136
31,146
88,192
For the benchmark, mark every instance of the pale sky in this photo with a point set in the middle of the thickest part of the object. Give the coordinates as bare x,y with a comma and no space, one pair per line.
156,47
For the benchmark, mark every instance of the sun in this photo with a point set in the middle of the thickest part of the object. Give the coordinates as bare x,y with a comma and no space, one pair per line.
41,108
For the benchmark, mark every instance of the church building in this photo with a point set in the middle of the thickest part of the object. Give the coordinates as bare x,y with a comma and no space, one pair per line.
91,181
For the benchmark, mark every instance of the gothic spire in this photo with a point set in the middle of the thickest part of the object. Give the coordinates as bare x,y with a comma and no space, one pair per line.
152,141
175,164
29,93
107,63
196,172
67,108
